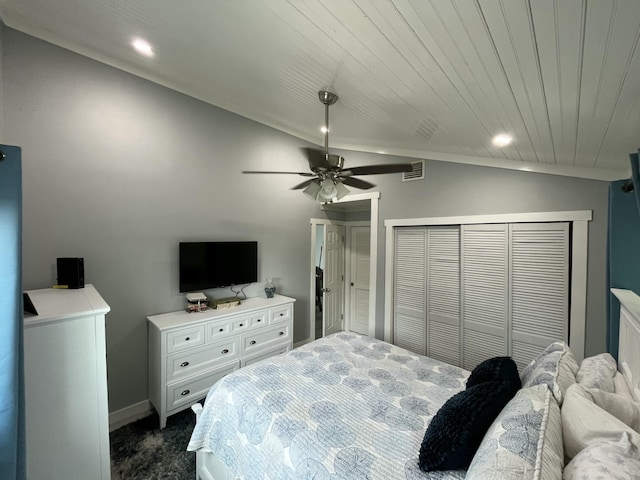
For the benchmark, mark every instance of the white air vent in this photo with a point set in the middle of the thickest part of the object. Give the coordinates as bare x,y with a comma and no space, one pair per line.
416,174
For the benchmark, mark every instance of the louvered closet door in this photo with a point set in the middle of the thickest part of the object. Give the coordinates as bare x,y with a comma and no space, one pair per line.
485,292
443,294
539,288
409,325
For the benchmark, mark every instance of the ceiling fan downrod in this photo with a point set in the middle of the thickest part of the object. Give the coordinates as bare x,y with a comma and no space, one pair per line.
327,98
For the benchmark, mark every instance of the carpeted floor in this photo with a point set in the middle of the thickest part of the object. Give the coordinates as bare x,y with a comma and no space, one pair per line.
141,451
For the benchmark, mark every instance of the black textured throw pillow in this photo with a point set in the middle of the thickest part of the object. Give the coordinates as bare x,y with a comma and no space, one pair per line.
456,430
496,369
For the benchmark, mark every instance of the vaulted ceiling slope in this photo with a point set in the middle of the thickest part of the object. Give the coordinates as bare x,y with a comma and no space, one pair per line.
432,79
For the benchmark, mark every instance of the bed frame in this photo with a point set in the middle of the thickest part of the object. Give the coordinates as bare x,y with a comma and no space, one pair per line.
629,339
208,467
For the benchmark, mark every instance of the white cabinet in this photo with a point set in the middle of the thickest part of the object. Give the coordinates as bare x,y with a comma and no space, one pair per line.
67,413
189,352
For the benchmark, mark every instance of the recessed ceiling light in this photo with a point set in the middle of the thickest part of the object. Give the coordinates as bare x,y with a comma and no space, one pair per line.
142,47
502,140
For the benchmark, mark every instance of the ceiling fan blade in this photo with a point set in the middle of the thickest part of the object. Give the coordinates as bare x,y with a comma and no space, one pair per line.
304,174
379,169
303,184
356,182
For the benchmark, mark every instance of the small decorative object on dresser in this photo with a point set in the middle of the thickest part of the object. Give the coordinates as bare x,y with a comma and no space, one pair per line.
189,352
269,288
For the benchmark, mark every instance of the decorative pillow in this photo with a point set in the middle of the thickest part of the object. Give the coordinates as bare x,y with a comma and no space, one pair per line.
555,367
598,372
524,441
496,369
456,430
619,460
584,423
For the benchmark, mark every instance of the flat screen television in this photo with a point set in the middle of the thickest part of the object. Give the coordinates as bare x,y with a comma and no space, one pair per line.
205,265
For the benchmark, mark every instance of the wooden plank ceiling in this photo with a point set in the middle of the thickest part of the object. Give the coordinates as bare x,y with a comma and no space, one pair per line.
429,79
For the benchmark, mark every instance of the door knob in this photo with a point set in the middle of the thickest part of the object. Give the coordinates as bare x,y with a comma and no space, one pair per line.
326,290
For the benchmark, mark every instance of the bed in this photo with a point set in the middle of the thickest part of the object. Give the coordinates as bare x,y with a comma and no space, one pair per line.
348,406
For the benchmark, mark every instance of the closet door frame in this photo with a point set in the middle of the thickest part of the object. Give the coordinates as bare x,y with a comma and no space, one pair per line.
579,220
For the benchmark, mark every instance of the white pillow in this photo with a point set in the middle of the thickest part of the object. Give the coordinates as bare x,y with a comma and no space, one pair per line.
624,409
598,372
619,460
621,387
584,423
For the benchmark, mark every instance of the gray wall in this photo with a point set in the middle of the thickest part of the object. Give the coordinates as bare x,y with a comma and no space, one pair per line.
455,189
118,170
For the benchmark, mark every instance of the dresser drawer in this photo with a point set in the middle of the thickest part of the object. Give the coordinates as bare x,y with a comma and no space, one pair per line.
251,320
217,330
192,361
185,338
263,338
280,314
192,389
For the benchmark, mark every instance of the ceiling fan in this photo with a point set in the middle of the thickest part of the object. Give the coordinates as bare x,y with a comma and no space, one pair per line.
327,170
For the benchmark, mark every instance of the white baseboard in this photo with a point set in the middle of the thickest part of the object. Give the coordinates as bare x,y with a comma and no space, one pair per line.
129,414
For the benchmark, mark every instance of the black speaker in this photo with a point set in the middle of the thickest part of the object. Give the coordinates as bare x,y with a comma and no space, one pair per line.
71,272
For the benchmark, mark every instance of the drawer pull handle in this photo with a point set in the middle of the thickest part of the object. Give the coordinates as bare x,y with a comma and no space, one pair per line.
185,392
187,339
259,320
252,342
242,324
222,329
184,364
226,350
281,333
282,314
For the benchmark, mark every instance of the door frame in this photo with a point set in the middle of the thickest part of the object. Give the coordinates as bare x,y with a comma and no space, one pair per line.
373,198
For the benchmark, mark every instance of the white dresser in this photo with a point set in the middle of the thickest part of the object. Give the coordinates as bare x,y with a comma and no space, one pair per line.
67,412
189,352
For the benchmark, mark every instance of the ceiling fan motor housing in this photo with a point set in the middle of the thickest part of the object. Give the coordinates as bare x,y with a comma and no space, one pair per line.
326,163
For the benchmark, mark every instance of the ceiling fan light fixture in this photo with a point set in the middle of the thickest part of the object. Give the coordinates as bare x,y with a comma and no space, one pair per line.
326,191
342,191
312,190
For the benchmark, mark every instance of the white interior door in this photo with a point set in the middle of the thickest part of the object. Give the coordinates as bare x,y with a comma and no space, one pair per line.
333,290
359,261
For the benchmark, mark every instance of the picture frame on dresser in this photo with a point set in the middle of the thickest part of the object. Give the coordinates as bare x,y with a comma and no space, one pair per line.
190,351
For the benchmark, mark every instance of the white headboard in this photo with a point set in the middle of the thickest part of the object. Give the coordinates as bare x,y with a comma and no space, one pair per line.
629,339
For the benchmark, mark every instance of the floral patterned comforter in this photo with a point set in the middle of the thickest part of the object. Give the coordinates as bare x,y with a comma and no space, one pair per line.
345,406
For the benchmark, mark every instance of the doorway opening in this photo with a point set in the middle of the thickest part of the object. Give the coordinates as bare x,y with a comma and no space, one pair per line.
333,310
